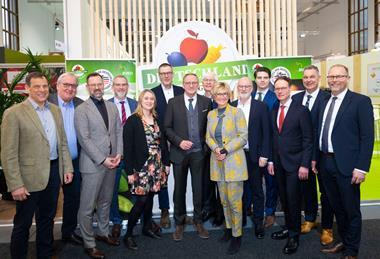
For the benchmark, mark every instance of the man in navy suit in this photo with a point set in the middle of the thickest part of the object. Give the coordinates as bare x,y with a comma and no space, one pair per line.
292,152
126,106
256,150
312,98
164,92
346,136
264,94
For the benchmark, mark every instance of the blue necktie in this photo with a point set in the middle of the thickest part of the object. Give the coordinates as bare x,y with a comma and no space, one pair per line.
326,127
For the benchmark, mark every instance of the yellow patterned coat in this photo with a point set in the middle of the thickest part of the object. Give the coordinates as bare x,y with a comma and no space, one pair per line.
235,136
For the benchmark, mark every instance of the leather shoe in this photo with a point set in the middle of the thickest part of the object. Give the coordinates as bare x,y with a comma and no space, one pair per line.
130,243
280,235
227,234
116,229
202,232
291,246
151,234
327,237
165,220
349,257
74,239
333,249
234,246
269,221
108,240
178,233
259,232
307,226
94,253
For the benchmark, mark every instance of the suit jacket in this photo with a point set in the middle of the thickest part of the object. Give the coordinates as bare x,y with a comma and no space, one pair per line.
314,112
235,136
132,103
259,134
294,145
270,100
161,101
134,138
176,127
353,133
97,142
25,147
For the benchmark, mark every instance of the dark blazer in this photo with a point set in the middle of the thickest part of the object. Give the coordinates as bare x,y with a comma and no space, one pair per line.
270,99
259,133
53,98
134,139
321,97
161,101
176,127
295,142
132,103
353,133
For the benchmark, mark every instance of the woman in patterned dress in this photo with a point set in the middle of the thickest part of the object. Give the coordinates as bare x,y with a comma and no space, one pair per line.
147,166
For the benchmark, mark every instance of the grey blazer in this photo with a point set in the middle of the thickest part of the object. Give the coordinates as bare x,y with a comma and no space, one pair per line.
97,143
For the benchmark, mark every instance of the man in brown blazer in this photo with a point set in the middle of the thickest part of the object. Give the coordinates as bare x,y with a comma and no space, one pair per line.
35,159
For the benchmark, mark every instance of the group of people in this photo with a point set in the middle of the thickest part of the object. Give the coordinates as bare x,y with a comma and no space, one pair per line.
229,147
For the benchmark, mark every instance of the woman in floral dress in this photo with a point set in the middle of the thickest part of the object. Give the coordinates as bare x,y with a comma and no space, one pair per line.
147,166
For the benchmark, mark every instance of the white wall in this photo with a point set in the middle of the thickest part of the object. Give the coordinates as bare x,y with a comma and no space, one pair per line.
36,26
332,23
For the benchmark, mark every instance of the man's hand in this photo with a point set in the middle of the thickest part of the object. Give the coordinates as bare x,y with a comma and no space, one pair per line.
116,159
167,170
357,177
303,173
109,163
270,169
185,144
67,178
263,161
20,194
314,167
131,179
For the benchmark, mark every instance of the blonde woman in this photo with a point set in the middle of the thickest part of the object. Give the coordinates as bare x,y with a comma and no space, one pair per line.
226,136
145,154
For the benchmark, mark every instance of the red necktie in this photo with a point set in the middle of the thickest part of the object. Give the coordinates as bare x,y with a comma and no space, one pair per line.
282,117
123,113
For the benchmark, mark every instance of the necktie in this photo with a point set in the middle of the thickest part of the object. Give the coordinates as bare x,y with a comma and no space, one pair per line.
308,101
260,98
191,108
282,117
123,113
326,127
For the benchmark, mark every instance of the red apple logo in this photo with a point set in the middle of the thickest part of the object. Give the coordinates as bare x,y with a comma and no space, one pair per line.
194,50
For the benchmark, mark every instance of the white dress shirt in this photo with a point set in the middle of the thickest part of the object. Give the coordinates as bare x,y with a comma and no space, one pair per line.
312,99
168,92
246,109
126,106
263,93
187,100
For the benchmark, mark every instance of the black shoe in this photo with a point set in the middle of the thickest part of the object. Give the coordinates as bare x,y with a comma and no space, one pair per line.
218,221
206,215
74,239
151,234
234,245
130,243
226,235
280,235
291,246
259,231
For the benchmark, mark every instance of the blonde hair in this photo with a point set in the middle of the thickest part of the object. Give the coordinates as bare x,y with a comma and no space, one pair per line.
221,87
139,109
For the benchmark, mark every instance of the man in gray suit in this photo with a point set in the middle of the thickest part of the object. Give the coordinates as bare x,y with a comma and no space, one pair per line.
99,133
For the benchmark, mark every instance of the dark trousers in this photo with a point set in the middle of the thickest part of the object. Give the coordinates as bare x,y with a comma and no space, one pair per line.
327,217
344,198
271,192
71,198
289,187
163,198
114,211
254,184
143,205
210,195
42,204
194,161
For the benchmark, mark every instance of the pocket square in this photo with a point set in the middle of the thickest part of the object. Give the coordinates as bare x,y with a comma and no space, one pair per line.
205,110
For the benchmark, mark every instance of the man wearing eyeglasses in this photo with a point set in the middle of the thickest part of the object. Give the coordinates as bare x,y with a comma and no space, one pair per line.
100,135
164,92
67,101
345,137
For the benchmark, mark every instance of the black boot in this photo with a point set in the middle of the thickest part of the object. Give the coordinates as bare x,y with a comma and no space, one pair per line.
234,245
226,235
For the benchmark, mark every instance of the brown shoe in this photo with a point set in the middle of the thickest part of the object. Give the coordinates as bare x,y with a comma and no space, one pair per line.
327,237
178,233
188,220
108,240
165,221
94,253
202,232
333,249
269,221
307,226
116,229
